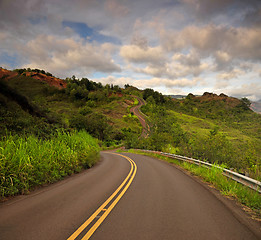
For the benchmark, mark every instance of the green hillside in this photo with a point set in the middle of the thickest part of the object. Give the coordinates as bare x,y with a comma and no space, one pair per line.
51,128
219,129
32,106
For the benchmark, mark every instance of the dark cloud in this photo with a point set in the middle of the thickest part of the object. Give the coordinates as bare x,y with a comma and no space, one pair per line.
253,17
173,41
206,10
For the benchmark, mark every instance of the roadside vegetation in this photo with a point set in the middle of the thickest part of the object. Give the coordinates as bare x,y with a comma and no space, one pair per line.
27,162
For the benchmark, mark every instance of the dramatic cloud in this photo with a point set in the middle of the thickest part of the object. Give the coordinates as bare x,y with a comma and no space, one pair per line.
63,55
137,54
232,74
172,46
152,83
241,43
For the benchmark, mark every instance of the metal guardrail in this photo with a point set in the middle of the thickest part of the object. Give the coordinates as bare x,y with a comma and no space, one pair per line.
247,181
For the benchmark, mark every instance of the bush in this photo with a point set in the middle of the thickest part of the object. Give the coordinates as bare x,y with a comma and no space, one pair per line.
95,124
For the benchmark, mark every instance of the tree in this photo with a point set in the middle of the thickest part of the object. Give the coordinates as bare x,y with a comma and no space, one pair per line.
246,102
158,97
95,124
151,100
73,93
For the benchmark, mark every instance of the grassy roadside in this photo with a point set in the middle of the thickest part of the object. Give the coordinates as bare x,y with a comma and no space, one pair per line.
27,162
227,187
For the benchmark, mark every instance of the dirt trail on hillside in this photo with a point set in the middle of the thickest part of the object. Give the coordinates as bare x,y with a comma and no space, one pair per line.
136,111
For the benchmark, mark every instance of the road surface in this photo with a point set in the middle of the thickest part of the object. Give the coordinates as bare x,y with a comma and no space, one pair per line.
155,200
141,117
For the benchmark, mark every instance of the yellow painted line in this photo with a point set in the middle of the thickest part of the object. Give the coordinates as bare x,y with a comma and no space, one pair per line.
131,174
102,218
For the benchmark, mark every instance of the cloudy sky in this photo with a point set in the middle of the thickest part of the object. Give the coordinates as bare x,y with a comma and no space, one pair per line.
172,46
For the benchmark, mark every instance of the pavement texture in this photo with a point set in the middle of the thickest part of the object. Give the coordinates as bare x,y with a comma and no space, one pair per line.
162,202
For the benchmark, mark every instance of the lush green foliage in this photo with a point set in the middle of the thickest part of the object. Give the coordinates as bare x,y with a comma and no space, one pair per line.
24,70
26,162
151,94
164,130
214,128
83,105
89,90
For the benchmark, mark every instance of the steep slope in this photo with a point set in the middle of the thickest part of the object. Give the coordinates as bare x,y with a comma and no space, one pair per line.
103,111
219,129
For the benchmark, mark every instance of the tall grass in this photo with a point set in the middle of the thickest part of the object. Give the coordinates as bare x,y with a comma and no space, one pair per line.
227,186
26,162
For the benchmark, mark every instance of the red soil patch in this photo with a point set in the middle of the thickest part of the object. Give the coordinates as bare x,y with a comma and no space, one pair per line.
230,101
118,94
51,81
6,73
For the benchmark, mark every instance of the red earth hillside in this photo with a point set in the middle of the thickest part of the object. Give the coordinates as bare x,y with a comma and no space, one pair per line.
7,74
230,101
50,80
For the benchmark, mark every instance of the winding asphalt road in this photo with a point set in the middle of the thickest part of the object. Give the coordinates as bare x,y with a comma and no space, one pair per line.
155,200
141,117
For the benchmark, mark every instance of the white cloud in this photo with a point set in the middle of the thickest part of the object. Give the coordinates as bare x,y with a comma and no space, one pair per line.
151,83
192,59
242,43
152,70
180,65
137,54
61,56
251,91
184,82
231,74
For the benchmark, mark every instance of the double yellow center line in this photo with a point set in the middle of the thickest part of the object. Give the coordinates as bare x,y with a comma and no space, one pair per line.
103,211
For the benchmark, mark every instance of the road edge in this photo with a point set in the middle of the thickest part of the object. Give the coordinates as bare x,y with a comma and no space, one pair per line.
237,210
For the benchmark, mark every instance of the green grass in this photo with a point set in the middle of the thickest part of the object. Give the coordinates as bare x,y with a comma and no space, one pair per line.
227,187
245,147
201,127
27,162
136,102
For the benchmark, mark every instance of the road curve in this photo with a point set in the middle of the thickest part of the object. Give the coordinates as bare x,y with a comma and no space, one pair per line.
141,117
162,202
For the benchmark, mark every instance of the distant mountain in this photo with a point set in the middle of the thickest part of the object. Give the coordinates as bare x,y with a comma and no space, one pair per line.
177,96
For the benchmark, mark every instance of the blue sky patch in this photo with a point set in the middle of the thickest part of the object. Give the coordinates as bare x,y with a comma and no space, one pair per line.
84,31
8,59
